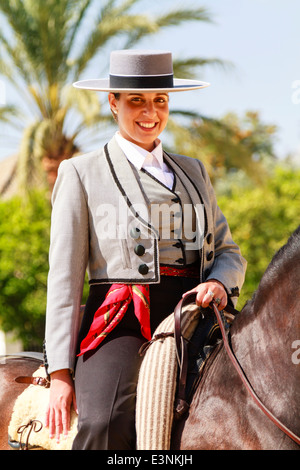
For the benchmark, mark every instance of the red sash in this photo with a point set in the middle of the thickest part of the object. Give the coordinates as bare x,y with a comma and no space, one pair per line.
116,302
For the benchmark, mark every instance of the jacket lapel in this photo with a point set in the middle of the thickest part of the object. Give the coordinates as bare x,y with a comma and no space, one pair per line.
187,178
126,181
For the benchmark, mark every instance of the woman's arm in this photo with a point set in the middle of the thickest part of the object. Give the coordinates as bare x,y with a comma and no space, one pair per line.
62,397
68,258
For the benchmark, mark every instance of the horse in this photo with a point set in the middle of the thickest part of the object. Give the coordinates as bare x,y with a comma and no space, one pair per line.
12,366
222,415
265,339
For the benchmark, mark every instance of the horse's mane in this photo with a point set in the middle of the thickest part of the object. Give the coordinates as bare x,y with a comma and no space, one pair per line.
287,257
283,262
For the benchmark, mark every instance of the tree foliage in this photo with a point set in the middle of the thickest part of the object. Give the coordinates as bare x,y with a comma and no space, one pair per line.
24,245
261,219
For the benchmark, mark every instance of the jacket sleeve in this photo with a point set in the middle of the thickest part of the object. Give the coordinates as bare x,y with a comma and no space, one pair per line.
229,266
68,256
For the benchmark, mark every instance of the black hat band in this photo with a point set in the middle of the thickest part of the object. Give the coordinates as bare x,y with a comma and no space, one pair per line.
153,81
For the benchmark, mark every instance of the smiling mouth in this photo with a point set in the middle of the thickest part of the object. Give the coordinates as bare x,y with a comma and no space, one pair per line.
147,125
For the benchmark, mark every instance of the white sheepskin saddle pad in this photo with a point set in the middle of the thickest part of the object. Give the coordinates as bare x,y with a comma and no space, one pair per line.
27,423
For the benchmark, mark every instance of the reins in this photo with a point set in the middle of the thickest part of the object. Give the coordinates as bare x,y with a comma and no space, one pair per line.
181,405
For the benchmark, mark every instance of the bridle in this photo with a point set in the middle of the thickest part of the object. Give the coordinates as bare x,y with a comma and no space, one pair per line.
181,404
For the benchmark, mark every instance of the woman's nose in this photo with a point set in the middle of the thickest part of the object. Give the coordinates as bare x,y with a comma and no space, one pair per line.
149,108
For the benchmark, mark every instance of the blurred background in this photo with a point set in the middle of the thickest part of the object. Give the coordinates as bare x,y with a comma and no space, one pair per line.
245,127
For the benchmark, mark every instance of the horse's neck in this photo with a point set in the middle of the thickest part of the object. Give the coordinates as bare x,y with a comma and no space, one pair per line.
262,339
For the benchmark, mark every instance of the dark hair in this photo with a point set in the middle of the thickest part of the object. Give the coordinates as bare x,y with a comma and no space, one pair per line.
117,96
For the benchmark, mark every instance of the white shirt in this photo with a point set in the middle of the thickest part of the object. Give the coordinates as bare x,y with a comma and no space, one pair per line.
152,162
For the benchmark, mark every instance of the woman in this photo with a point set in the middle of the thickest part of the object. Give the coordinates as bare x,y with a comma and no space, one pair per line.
146,226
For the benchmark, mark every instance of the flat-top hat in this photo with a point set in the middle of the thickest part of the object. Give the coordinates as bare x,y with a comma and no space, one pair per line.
140,70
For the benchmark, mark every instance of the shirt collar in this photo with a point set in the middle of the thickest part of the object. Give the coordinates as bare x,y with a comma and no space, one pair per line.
137,155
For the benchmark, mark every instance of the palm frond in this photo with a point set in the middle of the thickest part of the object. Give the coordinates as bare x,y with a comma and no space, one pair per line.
13,57
109,27
22,47
178,16
86,103
8,112
40,30
184,113
186,68
76,22
29,170
173,18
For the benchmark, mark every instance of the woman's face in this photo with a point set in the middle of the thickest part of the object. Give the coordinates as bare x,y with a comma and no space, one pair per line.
141,116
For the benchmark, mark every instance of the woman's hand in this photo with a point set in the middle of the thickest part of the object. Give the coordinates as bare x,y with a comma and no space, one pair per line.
208,291
62,396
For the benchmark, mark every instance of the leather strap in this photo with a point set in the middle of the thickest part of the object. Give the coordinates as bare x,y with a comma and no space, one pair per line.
181,405
245,381
32,425
156,337
33,381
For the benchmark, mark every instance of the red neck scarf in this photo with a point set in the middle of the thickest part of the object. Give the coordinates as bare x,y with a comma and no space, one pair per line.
113,309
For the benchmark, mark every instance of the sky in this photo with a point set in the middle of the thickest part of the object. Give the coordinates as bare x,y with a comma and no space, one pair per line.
260,38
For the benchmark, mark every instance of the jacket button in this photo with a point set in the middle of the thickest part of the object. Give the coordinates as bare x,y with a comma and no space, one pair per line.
177,245
210,255
143,269
235,292
209,238
135,233
139,250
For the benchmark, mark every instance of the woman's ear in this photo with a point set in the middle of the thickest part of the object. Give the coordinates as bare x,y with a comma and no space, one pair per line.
113,103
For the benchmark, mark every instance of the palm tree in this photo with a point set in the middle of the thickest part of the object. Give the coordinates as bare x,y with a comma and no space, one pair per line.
46,45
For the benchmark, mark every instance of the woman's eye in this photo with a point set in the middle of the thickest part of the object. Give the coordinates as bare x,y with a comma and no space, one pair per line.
140,100
162,99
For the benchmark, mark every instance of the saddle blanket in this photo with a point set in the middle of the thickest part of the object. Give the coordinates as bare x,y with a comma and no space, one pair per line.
157,383
31,406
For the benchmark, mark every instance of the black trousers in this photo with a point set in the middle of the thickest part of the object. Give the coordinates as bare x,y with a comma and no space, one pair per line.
106,378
